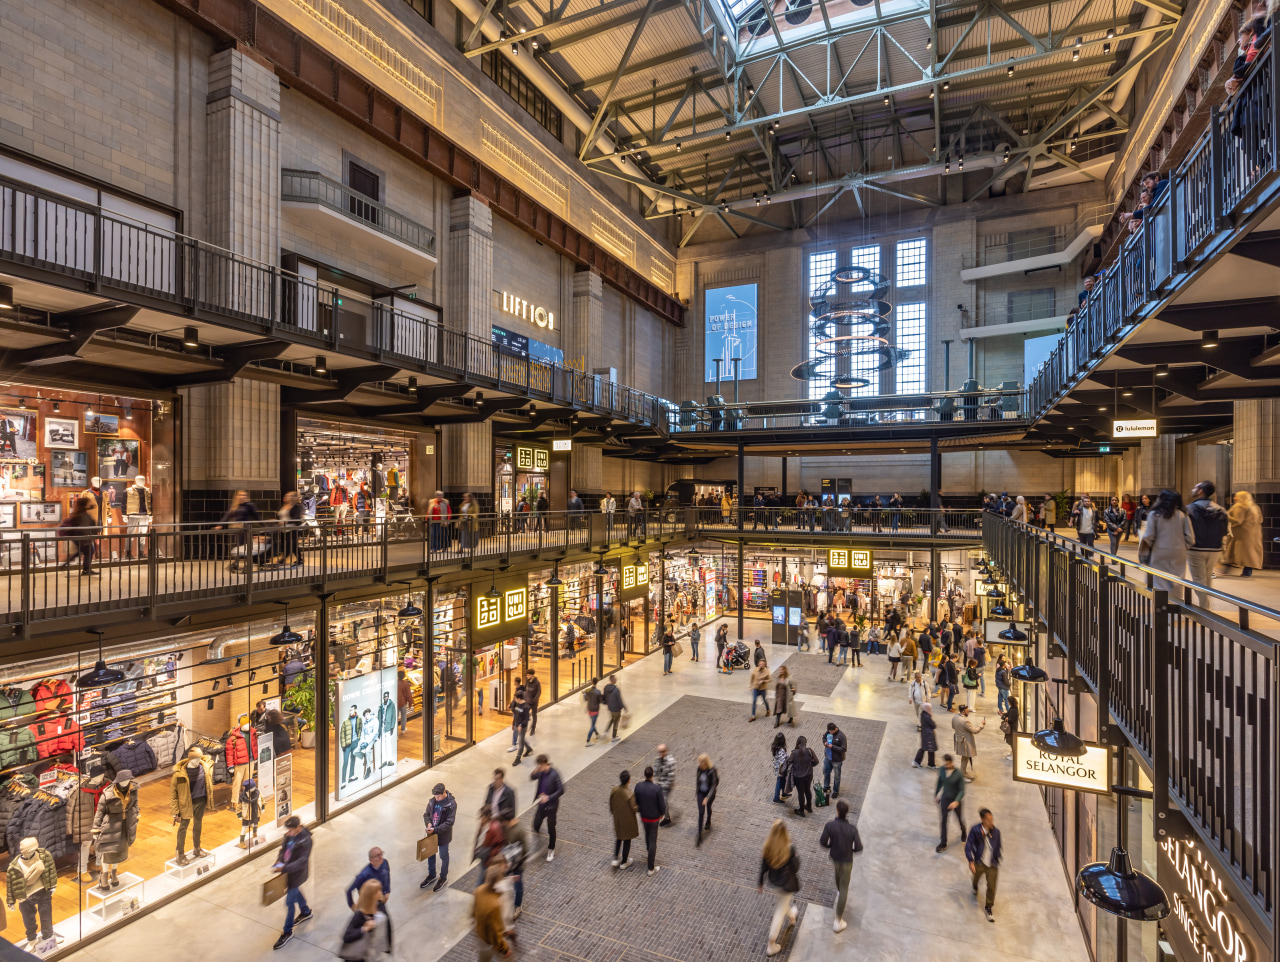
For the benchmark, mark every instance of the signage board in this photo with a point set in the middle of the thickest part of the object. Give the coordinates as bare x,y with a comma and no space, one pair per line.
1104,449
498,610
1092,773
1208,921
284,788
562,444
365,730
1141,428
633,581
529,458
428,449
523,346
849,562
730,327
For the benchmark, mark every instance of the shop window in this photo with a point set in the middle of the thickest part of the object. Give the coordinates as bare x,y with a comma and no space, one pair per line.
354,479
422,8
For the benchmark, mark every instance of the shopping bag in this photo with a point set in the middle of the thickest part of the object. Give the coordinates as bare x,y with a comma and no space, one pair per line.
625,721
274,888
428,846
677,650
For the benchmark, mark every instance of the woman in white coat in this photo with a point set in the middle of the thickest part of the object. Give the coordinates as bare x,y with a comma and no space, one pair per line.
1165,538
1020,510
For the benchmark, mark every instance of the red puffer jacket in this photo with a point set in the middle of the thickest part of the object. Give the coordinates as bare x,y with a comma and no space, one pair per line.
54,736
53,694
238,751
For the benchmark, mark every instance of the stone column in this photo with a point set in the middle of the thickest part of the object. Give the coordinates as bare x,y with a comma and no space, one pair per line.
587,472
242,117
585,330
467,462
1256,467
1159,460
232,442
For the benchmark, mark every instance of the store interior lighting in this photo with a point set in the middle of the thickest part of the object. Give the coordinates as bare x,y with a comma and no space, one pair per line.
1115,887
101,676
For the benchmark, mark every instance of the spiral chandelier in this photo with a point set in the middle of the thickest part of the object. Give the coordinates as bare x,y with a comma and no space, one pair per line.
851,330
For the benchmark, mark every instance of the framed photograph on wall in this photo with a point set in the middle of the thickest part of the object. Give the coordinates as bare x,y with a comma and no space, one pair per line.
17,433
117,458
61,433
41,512
8,515
70,468
101,423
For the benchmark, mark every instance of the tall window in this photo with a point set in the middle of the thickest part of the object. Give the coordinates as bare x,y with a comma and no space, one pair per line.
500,70
821,264
865,366
910,334
912,271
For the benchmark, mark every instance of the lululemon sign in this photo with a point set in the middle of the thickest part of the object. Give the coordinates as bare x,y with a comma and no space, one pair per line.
1091,773
1142,428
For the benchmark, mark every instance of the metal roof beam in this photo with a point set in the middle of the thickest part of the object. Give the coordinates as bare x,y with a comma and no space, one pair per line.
551,32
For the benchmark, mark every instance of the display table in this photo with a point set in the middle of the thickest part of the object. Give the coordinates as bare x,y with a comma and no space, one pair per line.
123,900
194,868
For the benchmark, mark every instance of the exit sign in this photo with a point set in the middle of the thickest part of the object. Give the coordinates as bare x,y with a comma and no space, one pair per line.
1104,449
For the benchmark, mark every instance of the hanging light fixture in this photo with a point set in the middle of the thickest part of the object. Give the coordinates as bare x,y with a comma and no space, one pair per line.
515,49
1116,888
600,570
1009,70
694,554
287,636
6,296
995,592
1209,339
1002,611
1006,155
410,610
101,676
1012,633
946,85
554,581
493,591
1029,674
1058,741
190,338
322,365
413,385
1106,48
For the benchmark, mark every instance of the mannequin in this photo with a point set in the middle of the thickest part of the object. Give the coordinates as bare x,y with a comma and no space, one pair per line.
250,800
115,827
242,752
376,479
188,797
137,510
393,482
339,500
33,878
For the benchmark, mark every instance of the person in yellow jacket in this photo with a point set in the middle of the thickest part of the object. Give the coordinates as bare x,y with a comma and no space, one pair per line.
189,792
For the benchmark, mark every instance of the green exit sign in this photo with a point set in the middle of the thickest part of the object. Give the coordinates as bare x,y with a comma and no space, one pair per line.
1104,449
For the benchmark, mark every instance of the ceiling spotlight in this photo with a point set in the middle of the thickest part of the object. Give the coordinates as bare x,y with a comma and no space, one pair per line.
1058,741
1111,33
768,199
57,407
1106,48
322,365
1126,393
1209,339
751,90
962,161
756,198
1009,70
413,385
515,49
1079,41
1070,427
22,403
1162,370
886,100
726,135
946,167
930,93
6,295
190,337
946,85
1074,141
928,44
1102,407
1116,888
1006,155
678,145
1075,55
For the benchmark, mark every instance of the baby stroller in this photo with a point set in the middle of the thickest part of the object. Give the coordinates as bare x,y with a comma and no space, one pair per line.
736,655
255,550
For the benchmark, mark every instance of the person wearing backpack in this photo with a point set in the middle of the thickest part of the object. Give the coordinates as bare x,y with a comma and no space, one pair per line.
1210,524
801,765
780,865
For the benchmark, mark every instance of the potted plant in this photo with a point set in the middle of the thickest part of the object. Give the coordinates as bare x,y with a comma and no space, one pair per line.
302,696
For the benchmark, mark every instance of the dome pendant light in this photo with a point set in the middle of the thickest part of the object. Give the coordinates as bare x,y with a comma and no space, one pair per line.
1013,633
101,676
1030,674
1116,888
995,593
1002,611
287,636
554,581
493,591
410,610
1059,741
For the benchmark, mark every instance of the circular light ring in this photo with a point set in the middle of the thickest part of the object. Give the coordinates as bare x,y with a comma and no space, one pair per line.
856,311
823,302
858,275
851,382
824,329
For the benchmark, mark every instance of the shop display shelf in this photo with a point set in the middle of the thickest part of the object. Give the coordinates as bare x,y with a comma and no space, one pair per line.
194,868
125,900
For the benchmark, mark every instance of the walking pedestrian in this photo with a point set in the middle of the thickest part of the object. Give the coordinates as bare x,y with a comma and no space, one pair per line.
532,695
439,816
909,650
855,646
707,781
966,746
1009,723
550,788
758,656
983,850
500,800
1003,682
969,681
1165,539
295,863
801,764
895,658
695,636
949,794
1210,525
781,762
843,640
928,736
1244,544
759,688
623,808
651,803
368,932
520,721
613,701
490,926
783,689
668,650
840,839
834,745
665,774
916,696
378,870
779,864
1113,517
593,698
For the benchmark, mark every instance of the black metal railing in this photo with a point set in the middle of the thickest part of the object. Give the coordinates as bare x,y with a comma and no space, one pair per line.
855,517
1195,693
66,240
1220,179
312,187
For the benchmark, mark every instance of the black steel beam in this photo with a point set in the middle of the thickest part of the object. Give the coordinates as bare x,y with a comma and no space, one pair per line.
1224,315
349,380
81,326
235,358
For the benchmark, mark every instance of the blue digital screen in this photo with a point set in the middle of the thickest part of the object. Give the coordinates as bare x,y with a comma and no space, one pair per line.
523,346
730,331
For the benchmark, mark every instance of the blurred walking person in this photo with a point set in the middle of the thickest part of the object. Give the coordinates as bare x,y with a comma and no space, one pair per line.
840,839
651,804
779,865
707,781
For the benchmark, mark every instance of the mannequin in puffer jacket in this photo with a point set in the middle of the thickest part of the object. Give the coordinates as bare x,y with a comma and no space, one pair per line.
115,827
135,755
242,754
82,805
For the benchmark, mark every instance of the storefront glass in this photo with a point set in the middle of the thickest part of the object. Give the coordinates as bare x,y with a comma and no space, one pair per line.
521,474
452,729
579,608
244,702
351,475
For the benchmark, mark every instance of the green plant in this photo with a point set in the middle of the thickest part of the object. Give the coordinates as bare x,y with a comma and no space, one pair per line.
1063,502
302,695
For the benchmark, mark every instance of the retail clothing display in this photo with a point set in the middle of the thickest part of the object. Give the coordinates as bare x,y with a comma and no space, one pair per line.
53,694
15,702
57,736
137,500
242,746
115,825
103,714
43,816
250,804
17,747
168,746
192,779
81,806
29,874
135,755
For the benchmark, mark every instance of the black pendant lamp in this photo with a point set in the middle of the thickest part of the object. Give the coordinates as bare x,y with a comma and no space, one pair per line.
1030,674
1116,888
990,579
287,636
600,570
101,676
1004,611
1012,633
1058,741
554,581
493,591
410,610
693,555
995,592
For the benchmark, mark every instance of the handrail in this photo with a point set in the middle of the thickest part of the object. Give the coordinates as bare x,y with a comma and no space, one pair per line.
313,187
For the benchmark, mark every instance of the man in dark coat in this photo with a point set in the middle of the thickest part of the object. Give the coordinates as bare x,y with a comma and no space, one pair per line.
438,818
652,804
294,862
532,694
983,850
550,788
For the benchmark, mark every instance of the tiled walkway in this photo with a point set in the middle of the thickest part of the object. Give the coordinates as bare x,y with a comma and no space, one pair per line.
907,902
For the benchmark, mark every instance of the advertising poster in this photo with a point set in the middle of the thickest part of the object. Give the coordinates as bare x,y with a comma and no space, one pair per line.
17,433
367,725
284,789
266,768
730,331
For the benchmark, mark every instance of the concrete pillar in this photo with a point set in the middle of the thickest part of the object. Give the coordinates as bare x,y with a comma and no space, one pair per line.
467,462
242,118
1255,466
587,472
231,442
583,335
1159,459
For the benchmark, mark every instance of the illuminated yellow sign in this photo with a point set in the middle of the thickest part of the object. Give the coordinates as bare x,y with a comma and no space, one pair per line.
629,576
532,459
513,604
488,612
642,574
848,560
519,307
635,578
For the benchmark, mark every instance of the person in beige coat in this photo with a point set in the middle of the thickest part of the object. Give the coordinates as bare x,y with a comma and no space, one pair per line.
966,746
1244,547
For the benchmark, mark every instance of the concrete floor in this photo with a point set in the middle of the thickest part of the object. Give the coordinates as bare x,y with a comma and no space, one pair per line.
907,901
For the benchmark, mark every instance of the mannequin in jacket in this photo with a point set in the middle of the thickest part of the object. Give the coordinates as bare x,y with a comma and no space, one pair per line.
137,512
242,752
189,792
32,879
115,827
250,801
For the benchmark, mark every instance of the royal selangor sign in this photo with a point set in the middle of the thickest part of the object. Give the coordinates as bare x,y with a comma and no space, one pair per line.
1208,922
1092,773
